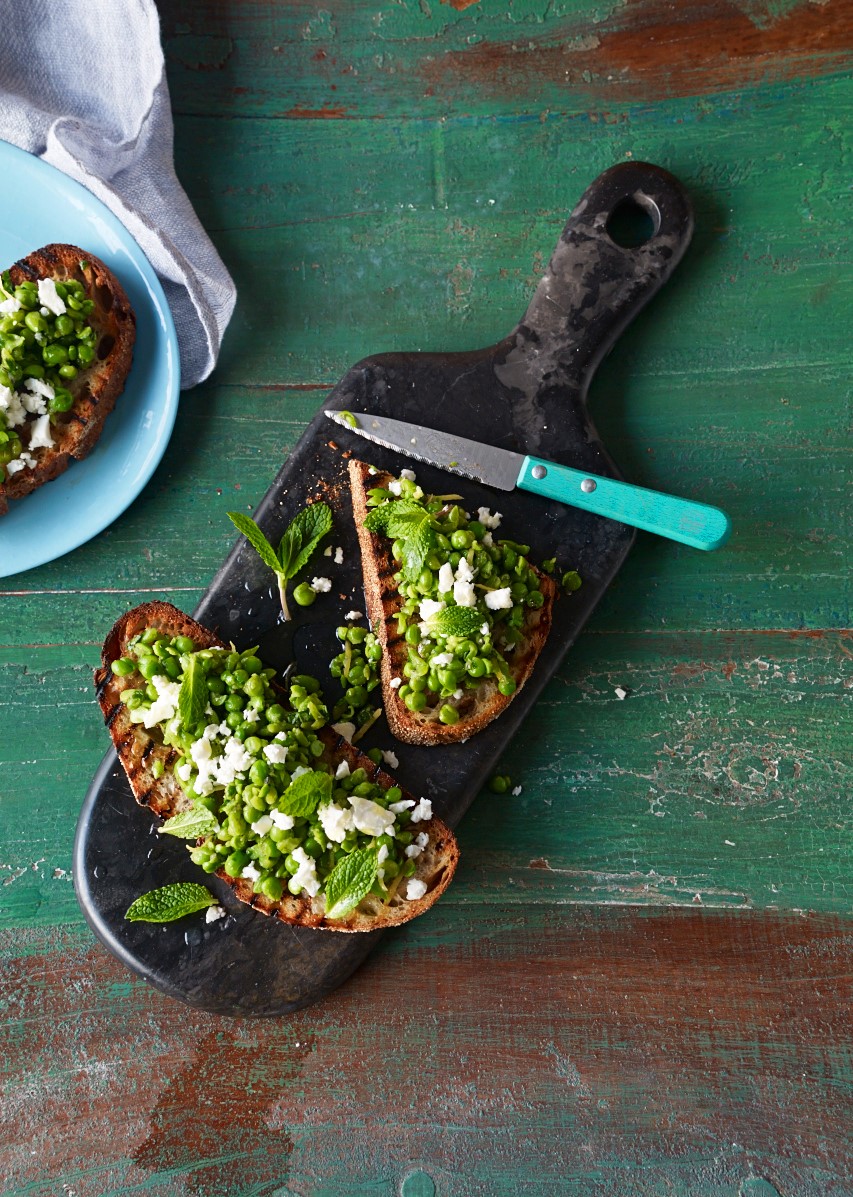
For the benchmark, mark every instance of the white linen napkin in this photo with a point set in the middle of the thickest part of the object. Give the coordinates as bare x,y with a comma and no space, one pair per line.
83,85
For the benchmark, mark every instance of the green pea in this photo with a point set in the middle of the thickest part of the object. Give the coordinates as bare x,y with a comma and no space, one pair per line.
477,530
476,667
507,686
123,667
235,863
461,540
534,599
571,580
415,701
54,354
500,783
448,715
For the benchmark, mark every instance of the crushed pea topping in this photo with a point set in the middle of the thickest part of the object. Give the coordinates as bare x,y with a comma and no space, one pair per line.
46,338
466,595
275,811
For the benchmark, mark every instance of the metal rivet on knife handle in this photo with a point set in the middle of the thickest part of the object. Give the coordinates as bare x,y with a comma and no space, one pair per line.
539,471
588,486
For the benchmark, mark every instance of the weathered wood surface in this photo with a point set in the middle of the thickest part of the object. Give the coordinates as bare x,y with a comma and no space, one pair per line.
393,176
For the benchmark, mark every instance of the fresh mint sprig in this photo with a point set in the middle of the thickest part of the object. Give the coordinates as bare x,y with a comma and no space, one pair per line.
297,546
170,902
350,881
411,525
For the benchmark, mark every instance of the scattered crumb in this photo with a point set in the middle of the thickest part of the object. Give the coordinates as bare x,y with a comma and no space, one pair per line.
390,758
327,552
730,843
332,445
620,693
539,862
339,555
353,615
516,790
213,913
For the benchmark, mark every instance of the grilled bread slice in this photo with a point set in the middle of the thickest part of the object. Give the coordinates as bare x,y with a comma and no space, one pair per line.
96,388
478,706
138,750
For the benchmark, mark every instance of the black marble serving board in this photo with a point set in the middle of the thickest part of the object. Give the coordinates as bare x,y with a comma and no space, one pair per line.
527,394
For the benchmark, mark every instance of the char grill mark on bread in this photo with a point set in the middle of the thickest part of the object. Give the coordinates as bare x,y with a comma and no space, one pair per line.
139,748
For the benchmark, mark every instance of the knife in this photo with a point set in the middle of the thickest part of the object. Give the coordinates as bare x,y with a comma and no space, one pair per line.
694,524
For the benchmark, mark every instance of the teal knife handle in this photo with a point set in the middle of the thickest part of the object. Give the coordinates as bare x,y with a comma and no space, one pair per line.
696,524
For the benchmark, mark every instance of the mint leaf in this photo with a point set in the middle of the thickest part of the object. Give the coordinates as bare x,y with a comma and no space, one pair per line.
170,902
304,795
411,524
191,824
456,621
192,700
350,881
256,539
302,536
417,547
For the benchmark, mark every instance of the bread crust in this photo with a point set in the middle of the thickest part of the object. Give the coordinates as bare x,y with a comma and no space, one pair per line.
96,388
481,705
138,749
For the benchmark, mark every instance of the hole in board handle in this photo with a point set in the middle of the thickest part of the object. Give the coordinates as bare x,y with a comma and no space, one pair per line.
633,222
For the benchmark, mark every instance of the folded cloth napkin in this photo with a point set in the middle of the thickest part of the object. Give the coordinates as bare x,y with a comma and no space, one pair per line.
83,85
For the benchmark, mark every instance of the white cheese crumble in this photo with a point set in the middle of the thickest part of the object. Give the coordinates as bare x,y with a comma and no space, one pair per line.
353,615
49,297
398,807
343,770
346,730
487,519
417,846
445,578
335,821
394,487
37,386
440,659
13,407
214,913
306,875
276,754
263,825
422,811
409,475
620,693
395,683
321,585
516,790
390,758
298,771
184,771
370,817
430,607
164,705
464,572
488,540
327,551
9,305
499,600
40,437
415,889
251,873
26,460
339,555
250,715
282,821
463,594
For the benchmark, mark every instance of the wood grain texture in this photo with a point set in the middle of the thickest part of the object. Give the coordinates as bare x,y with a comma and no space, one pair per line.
639,982
499,1051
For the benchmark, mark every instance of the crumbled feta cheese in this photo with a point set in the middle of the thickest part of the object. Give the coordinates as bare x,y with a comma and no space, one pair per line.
276,754
422,811
382,855
213,730
12,407
440,659
49,297
516,790
298,771
409,475
464,572
370,817
282,821
9,305
390,758
306,875
214,913
463,594
321,585
37,386
499,600
372,470
40,437
395,683
336,821
251,873
250,715
35,404
620,693
164,705
394,487
263,825
484,630
404,804
487,519
339,555
327,551
345,729
26,460
445,578
353,615
343,770
415,889
234,761
417,846
184,771
430,607
457,694
488,540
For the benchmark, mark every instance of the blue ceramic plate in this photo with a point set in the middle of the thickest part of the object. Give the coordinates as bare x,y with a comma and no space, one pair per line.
39,205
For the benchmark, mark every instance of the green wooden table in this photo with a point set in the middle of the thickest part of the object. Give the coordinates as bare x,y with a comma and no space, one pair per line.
639,982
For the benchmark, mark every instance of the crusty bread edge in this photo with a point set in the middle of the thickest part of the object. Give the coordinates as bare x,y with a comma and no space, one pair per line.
164,797
96,388
383,602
